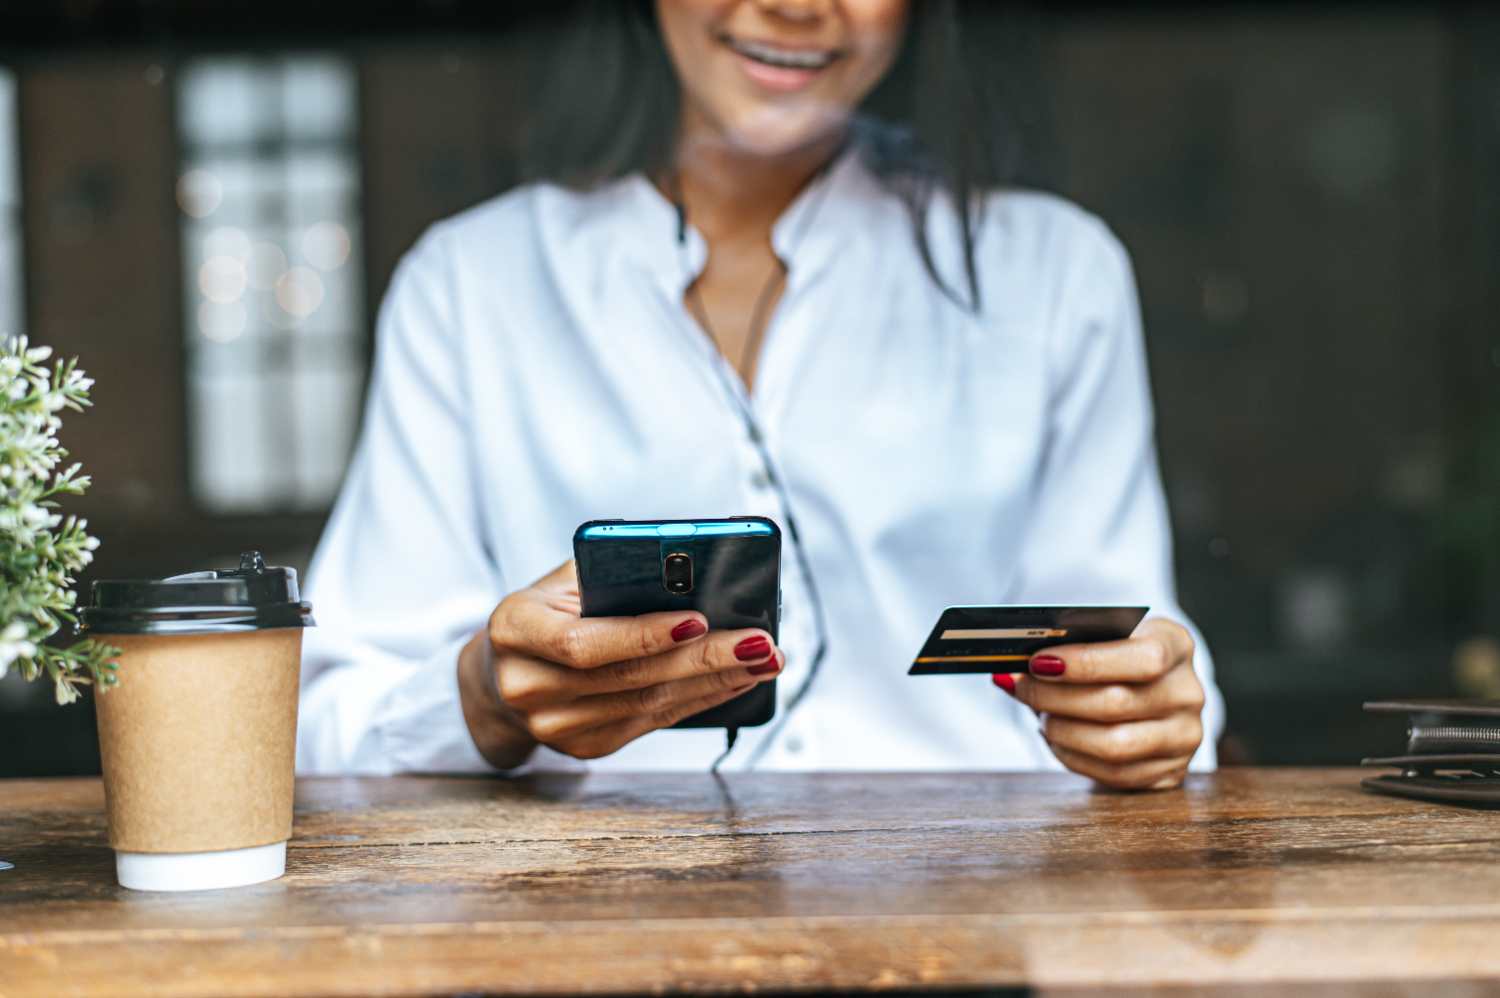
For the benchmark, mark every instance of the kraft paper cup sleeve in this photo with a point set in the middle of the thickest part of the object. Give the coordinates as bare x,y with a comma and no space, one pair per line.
198,740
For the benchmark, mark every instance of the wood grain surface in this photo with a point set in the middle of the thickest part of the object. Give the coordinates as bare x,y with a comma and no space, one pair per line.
646,884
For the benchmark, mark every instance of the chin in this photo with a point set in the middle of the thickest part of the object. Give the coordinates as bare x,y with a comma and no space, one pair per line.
776,130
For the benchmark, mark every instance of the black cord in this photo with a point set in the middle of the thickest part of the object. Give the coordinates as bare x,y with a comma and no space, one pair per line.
730,734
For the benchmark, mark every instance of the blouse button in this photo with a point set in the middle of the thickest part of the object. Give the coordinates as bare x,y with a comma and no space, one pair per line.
794,744
760,480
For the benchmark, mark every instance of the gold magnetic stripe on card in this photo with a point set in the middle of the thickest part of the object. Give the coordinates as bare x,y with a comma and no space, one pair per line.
975,658
1000,633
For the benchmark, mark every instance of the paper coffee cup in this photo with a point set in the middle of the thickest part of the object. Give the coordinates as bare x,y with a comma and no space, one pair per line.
198,739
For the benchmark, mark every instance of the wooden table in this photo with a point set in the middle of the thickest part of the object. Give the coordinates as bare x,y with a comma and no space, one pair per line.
653,883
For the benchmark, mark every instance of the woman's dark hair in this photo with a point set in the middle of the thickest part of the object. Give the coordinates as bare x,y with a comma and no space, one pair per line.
951,116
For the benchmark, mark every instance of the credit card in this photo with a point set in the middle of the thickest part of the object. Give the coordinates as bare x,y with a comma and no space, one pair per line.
991,639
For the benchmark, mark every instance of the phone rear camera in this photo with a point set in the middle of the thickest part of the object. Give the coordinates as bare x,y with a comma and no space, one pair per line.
677,573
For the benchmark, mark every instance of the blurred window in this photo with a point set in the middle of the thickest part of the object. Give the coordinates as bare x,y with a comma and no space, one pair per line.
12,315
269,190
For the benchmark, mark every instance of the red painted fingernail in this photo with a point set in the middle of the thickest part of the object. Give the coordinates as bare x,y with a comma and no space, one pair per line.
1005,681
752,648
764,667
741,689
1047,665
689,629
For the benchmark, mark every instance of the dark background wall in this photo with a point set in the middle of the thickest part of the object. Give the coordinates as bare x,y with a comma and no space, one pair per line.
1308,194
1293,186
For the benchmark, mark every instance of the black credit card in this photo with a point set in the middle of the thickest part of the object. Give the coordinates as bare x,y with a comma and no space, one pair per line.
992,639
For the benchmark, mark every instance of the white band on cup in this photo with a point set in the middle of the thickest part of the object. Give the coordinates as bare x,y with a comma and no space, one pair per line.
200,871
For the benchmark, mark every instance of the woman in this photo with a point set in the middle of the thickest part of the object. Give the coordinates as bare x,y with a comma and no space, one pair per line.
736,297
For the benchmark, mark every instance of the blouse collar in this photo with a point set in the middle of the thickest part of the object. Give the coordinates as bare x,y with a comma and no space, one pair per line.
805,237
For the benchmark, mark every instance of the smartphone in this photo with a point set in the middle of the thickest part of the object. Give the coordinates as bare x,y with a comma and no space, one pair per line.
728,570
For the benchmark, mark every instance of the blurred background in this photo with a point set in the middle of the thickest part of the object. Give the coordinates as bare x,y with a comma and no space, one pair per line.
204,203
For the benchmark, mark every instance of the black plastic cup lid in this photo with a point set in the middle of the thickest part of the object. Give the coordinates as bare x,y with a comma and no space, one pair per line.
249,598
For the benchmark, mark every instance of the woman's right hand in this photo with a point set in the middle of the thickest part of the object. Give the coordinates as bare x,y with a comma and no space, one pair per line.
541,674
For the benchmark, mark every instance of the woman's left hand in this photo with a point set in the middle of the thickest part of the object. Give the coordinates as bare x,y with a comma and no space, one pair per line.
1126,713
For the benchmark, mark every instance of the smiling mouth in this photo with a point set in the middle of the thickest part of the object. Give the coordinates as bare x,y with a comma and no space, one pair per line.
781,58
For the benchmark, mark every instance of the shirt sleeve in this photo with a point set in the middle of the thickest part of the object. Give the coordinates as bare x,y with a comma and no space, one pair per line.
401,578
1100,531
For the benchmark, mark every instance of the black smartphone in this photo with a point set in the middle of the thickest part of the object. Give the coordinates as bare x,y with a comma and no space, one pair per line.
728,570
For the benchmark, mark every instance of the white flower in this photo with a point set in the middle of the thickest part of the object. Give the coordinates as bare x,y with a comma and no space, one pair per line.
31,474
13,645
66,692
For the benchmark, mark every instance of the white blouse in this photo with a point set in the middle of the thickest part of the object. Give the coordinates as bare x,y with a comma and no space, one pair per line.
535,368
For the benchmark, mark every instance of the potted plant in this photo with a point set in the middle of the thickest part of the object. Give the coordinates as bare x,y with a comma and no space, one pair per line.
39,549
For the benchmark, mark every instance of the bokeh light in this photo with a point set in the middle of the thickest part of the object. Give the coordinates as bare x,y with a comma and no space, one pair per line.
276,317
222,321
300,291
226,241
326,245
199,193
222,279
266,266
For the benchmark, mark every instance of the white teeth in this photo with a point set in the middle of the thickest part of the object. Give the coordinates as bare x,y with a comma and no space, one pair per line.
774,55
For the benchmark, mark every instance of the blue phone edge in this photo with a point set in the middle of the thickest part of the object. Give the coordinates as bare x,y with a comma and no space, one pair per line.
740,526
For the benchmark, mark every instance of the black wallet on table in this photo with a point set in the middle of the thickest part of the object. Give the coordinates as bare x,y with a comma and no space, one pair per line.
1452,752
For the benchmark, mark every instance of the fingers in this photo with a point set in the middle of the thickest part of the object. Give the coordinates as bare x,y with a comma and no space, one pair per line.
1157,647
602,741
656,706
543,622
722,653
527,681
1125,713
1149,774
562,579
1178,690
500,735
588,686
1135,755
589,642
1165,737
